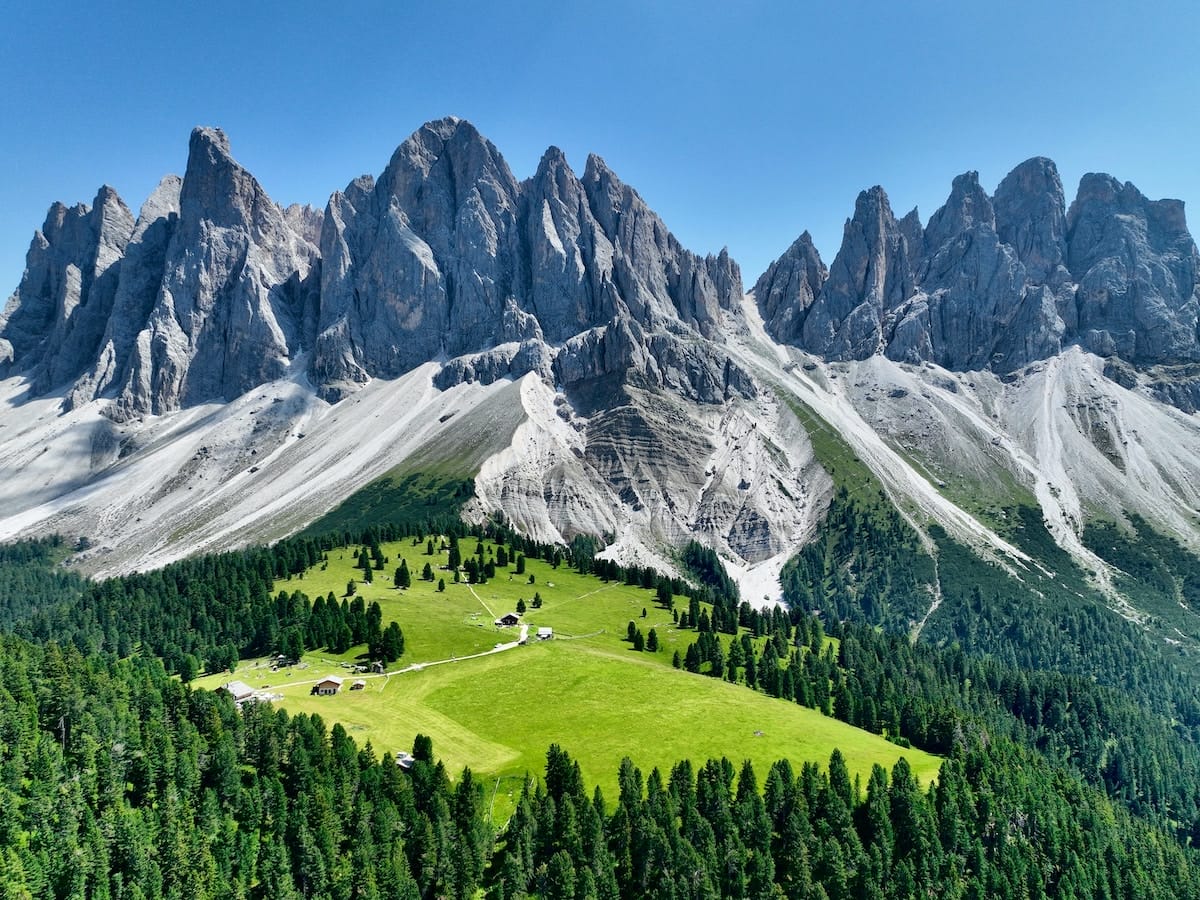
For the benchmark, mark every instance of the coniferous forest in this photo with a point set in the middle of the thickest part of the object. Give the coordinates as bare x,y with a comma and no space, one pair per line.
119,780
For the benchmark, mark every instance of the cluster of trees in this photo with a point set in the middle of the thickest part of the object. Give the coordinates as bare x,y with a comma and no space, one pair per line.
1056,624
640,640
1000,822
118,781
921,696
201,613
326,623
867,565
1072,739
706,567
30,580
1156,572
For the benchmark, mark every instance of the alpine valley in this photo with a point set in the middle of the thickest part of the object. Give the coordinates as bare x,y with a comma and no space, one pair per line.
968,444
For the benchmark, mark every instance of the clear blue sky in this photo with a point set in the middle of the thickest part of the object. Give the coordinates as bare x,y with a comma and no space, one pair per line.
741,122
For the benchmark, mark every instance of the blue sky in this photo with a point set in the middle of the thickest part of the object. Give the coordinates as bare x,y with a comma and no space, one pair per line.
742,123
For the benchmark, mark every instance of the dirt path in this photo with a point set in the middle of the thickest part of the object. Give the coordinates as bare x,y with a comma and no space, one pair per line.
413,667
471,588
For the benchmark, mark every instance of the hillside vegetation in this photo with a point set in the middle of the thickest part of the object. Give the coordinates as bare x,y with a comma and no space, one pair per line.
587,689
120,779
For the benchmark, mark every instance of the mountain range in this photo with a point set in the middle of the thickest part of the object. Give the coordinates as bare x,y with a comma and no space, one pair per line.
218,370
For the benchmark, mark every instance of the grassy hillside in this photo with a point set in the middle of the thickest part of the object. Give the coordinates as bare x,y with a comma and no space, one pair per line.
586,689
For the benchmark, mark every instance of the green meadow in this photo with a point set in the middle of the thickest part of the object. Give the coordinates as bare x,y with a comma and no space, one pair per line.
586,689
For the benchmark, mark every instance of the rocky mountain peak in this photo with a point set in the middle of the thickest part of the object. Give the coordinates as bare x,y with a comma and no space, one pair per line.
1138,274
788,288
967,207
870,275
55,319
914,234
1031,217
607,195
447,255
1002,281
217,190
553,158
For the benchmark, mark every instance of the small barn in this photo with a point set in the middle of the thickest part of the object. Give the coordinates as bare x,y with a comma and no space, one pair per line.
327,686
508,620
545,633
358,685
404,760
239,691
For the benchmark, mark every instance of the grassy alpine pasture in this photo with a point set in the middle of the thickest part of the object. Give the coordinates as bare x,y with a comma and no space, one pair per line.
587,689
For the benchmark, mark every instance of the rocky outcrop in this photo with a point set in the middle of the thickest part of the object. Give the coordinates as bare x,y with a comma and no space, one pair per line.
786,291
1136,266
1030,212
228,312
447,255
137,288
418,264
55,321
999,282
687,366
974,308
870,276
204,297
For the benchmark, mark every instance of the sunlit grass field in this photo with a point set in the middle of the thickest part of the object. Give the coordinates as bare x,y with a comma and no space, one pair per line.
586,689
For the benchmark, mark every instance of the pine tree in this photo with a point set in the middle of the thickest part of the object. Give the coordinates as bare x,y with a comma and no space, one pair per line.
560,878
403,578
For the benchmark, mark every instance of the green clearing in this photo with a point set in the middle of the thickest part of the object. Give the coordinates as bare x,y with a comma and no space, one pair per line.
586,690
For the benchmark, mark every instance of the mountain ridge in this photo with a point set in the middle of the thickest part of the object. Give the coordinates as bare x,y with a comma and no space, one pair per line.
229,370
999,282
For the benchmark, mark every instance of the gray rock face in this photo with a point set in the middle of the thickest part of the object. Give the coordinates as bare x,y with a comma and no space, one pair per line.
568,272
786,291
201,299
54,322
1000,282
974,311
967,207
420,263
870,276
226,317
1031,218
1136,266
137,288
446,256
